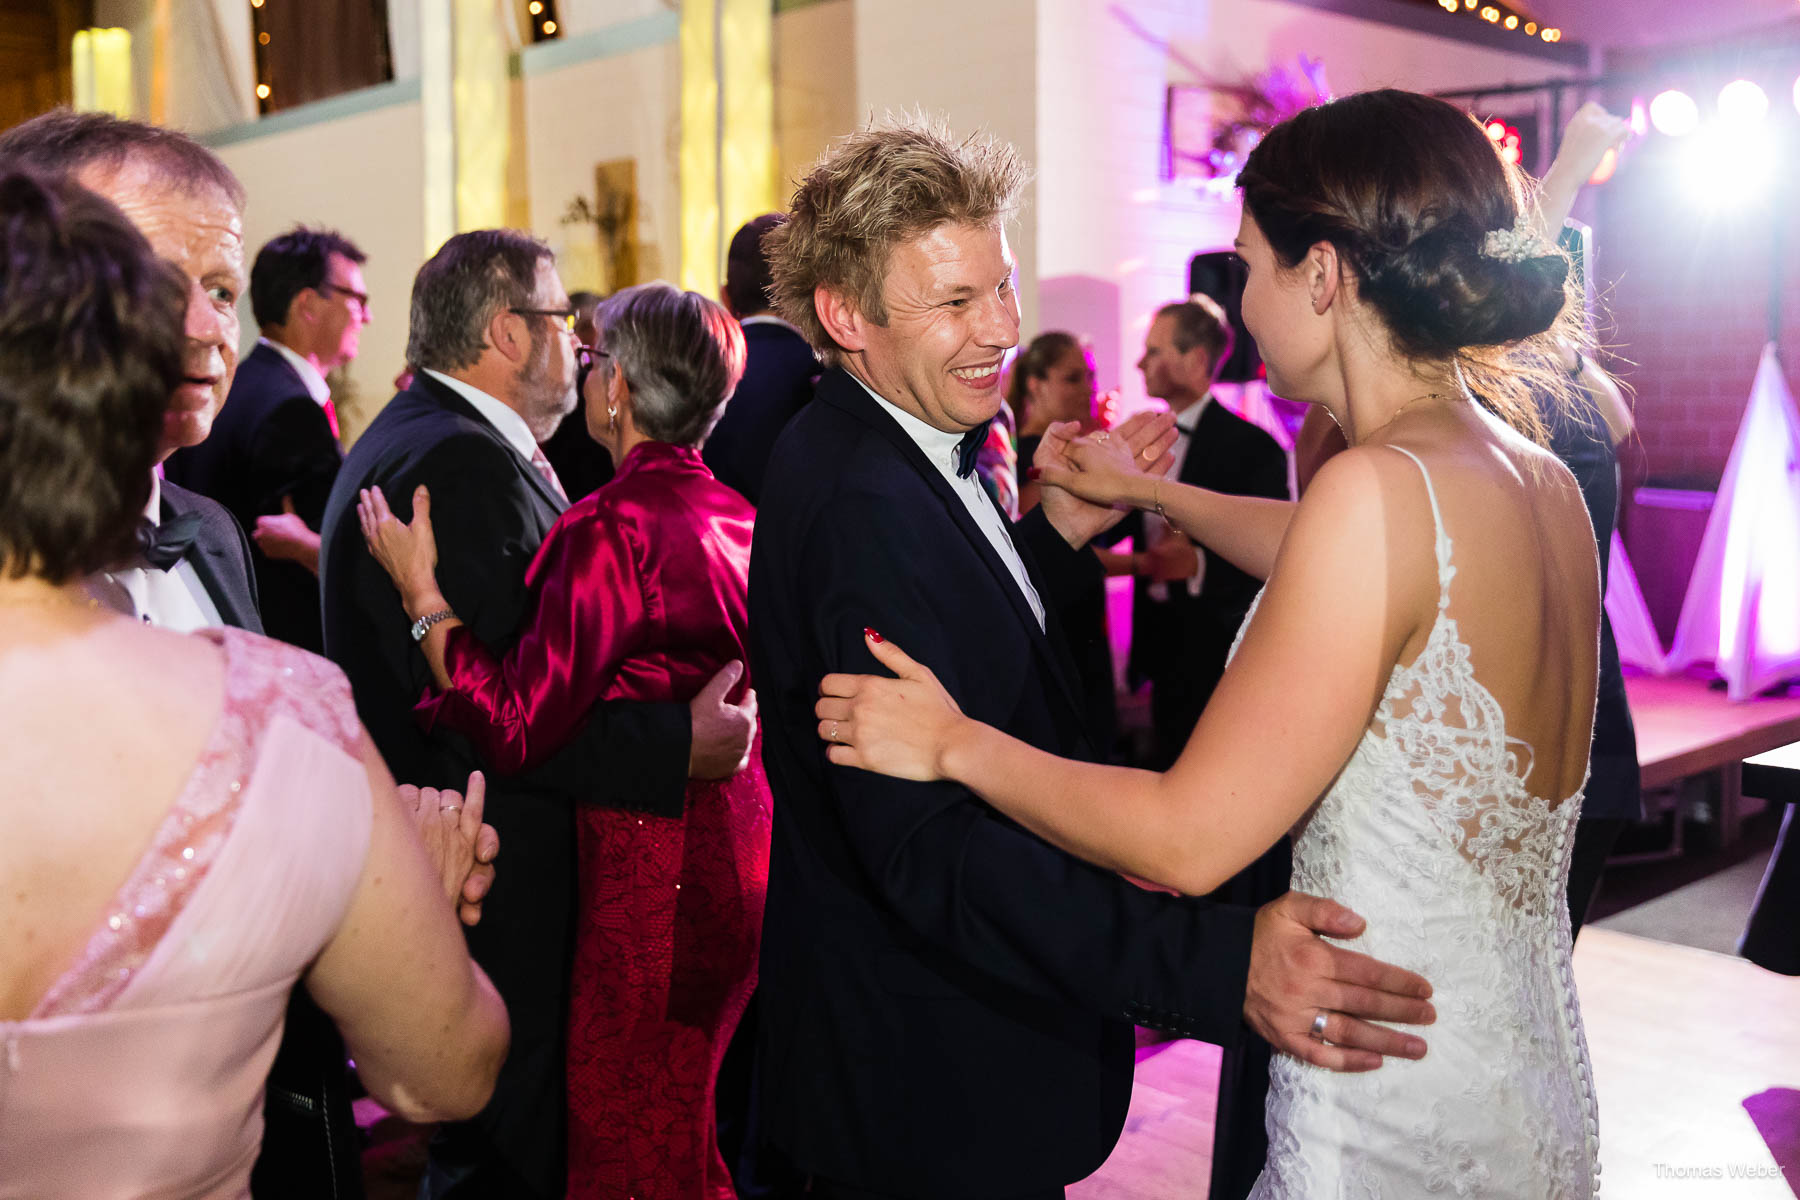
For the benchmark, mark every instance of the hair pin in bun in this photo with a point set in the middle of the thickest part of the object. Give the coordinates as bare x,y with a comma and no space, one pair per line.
1517,244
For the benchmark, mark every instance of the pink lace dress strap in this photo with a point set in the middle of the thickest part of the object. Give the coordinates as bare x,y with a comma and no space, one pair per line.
263,679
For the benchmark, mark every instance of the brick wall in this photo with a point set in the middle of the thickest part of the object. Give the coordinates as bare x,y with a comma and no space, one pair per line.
1687,286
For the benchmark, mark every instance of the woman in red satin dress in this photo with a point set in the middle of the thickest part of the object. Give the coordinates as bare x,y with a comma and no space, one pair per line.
638,594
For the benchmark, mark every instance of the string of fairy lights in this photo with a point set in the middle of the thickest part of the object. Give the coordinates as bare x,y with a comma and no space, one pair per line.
1503,17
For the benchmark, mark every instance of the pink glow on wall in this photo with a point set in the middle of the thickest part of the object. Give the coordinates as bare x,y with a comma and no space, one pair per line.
1742,611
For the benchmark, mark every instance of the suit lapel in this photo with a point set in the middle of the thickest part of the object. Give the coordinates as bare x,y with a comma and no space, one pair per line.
839,388
217,568
449,399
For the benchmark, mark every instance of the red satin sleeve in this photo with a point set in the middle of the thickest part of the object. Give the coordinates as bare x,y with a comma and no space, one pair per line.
588,614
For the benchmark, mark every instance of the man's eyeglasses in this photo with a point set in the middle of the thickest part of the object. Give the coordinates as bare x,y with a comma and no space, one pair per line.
361,298
565,315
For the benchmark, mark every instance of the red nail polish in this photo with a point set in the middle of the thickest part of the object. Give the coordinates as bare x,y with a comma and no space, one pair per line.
1034,473
872,635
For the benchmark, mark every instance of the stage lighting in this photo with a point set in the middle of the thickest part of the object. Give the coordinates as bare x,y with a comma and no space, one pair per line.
1797,93
1743,102
1733,166
1674,113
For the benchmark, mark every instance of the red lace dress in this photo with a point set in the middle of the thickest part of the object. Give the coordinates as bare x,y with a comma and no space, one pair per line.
639,594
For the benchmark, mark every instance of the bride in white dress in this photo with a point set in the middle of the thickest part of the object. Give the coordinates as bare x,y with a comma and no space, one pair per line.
1413,693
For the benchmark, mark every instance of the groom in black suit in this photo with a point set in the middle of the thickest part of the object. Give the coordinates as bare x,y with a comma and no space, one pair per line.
948,1000
490,338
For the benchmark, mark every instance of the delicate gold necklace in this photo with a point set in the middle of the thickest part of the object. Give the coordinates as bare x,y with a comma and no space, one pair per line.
1398,411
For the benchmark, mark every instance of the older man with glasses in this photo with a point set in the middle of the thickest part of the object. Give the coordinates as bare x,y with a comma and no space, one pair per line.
491,338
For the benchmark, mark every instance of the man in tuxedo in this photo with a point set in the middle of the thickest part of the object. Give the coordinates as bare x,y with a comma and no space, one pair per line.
274,447
189,206
779,368
1188,602
491,339
947,1000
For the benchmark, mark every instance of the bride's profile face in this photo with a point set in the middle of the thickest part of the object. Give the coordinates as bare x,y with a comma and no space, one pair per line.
1278,313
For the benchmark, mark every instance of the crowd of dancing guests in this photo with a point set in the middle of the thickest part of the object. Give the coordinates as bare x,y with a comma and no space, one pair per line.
537,594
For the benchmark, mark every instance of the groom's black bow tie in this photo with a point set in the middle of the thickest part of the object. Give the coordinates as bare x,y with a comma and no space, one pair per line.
166,544
969,448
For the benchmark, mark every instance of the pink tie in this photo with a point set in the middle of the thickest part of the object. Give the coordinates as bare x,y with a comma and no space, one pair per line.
331,418
548,472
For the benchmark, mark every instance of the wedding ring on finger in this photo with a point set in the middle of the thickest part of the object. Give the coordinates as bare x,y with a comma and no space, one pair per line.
832,736
1318,1024
449,808
1102,436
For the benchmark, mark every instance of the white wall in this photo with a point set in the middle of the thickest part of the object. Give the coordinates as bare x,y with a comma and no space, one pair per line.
975,73
362,175
1113,238
815,86
623,106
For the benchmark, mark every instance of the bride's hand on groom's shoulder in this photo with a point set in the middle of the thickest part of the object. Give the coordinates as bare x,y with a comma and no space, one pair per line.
1296,977
898,727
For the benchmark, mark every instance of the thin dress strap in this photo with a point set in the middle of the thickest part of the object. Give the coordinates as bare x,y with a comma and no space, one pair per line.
1446,572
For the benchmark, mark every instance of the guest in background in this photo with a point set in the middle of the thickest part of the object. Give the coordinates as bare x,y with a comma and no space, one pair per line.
779,370
490,336
1053,381
580,462
195,823
274,450
638,593
1183,624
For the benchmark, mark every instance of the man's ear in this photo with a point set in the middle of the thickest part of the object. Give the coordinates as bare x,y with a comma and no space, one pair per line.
841,316
509,334
1324,275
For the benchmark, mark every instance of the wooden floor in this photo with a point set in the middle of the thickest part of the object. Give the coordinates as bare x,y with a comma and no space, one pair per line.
1691,1051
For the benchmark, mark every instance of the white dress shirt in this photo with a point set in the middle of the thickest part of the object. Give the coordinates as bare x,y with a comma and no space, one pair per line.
315,384
1157,530
172,599
940,448
511,425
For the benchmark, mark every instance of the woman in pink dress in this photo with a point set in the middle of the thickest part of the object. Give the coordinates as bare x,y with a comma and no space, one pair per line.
194,823
639,593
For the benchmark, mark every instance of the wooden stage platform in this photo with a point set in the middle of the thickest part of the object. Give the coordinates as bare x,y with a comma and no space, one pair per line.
1686,728
1696,1066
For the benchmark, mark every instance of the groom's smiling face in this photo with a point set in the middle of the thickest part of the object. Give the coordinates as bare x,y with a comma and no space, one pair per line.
952,314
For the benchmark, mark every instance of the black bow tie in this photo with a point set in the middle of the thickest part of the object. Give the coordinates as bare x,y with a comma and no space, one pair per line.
166,544
969,448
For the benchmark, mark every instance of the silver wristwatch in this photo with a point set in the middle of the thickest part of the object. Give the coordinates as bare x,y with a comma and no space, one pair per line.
423,625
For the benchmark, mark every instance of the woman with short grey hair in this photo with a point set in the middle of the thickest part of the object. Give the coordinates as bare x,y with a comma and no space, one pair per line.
639,592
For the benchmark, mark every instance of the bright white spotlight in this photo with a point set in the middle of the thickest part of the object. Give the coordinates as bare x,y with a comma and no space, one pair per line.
1797,93
1674,113
1732,167
1743,102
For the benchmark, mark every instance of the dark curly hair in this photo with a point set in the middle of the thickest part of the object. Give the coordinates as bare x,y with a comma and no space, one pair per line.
1407,188
91,347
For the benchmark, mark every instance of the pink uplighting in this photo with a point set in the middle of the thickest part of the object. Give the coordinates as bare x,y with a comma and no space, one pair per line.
1742,611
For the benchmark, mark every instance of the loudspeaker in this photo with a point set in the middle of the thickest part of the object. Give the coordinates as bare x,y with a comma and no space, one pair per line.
1221,274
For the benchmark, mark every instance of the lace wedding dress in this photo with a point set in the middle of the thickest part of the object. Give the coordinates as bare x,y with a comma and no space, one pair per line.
1430,834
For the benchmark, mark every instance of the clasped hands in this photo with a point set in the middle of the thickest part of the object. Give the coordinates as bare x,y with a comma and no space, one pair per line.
459,844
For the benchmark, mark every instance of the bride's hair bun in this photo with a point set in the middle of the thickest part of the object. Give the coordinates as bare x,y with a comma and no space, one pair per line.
1407,188
1441,293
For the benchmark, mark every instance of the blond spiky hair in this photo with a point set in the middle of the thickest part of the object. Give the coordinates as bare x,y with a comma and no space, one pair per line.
880,186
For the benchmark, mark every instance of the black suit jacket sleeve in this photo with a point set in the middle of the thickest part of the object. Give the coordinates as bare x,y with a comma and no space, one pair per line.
969,882
1066,574
487,534
293,454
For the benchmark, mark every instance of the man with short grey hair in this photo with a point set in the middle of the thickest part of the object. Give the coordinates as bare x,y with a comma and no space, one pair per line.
495,356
